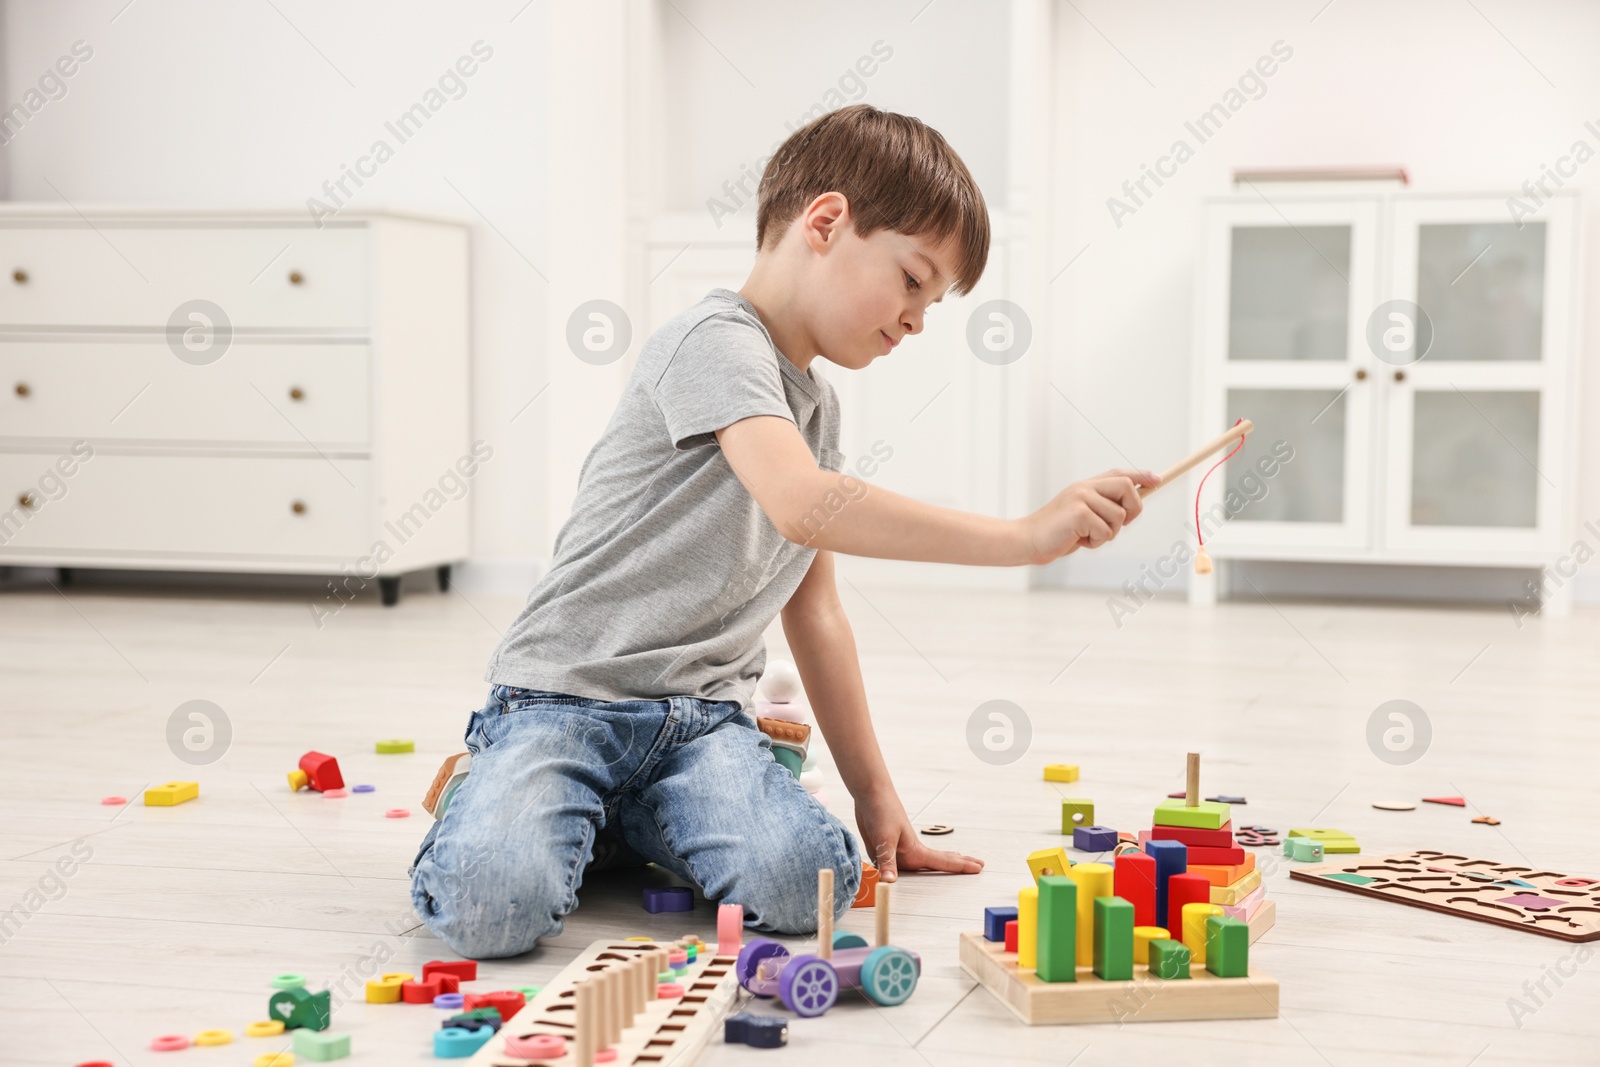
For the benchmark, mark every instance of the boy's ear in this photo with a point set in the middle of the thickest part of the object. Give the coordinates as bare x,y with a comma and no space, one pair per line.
823,220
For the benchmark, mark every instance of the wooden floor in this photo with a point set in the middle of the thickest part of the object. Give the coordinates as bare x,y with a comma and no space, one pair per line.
179,917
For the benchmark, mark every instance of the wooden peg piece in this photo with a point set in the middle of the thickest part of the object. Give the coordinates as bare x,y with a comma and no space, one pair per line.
1191,797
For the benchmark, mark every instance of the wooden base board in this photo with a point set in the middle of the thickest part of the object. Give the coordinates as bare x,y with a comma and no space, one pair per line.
668,1032
1144,999
1263,919
1556,905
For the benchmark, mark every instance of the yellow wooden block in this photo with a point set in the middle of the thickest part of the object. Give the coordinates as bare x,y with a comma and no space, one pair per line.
1142,936
1049,861
1194,930
1028,927
1061,772
386,988
1232,894
169,793
298,780
1094,880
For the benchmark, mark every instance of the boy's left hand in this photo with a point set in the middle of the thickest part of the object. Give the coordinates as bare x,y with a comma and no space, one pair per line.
894,845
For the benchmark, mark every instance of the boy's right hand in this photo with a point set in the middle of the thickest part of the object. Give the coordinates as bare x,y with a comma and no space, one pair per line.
1086,514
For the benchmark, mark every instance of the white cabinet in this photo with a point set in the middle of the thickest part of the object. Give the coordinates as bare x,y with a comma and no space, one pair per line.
238,392
1413,354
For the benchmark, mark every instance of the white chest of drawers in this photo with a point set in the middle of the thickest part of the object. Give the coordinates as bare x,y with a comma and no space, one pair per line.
186,390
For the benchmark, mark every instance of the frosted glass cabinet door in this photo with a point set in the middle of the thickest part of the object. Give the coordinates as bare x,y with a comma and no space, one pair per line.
1289,292
1475,422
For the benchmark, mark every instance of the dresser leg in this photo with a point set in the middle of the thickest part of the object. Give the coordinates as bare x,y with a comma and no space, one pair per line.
390,588
64,575
444,577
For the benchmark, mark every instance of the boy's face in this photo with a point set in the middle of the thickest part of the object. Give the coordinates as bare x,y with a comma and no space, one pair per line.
870,292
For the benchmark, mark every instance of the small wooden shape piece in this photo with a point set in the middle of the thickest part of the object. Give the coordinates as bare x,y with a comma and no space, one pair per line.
1191,796
1227,947
1061,772
1058,929
1094,838
1204,814
1048,861
1113,939
1076,812
994,922
1169,959
169,794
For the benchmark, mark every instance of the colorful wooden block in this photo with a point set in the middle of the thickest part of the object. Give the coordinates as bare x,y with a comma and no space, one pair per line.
1233,854
1194,928
668,898
1332,840
1058,929
757,1031
1184,889
1113,939
297,1009
1061,772
1227,947
1206,815
1219,875
1011,935
1303,848
994,922
1142,936
170,793
867,891
458,1044
1169,960
507,1002
1094,838
385,989
423,992
460,970
1232,894
1028,927
321,1047
1076,813
1134,880
1221,837
1048,861
321,771
1171,859
396,745
1094,880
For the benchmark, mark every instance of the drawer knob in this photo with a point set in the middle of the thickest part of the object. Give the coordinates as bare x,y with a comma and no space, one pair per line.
1361,375
19,276
296,393
23,389
27,500
295,277
298,507
1399,375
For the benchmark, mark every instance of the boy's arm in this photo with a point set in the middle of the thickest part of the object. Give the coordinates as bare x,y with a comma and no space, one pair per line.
824,650
776,466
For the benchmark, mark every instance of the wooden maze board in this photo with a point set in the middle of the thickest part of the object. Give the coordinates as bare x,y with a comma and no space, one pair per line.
670,1031
1524,898
1089,999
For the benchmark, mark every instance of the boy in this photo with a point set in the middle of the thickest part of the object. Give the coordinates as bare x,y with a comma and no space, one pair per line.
615,730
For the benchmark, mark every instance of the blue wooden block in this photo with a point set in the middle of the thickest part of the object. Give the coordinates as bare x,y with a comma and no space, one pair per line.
672,898
1172,857
757,1031
994,922
1094,838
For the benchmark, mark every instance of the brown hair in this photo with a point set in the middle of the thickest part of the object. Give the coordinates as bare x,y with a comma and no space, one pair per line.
897,172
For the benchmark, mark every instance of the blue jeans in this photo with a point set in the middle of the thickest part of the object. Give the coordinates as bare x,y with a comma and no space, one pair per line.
685,783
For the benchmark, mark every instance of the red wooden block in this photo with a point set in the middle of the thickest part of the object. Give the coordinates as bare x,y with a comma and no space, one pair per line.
463,970
322,771
1193,836
1134,880
1455,802
505,1001
1187,888
448,983
420,992
1222,856
1011,936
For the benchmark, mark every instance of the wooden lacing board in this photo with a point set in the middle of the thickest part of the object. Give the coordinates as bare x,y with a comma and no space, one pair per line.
668,1033
1556,905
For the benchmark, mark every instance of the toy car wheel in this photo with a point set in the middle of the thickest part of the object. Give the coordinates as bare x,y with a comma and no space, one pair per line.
845,939
762,981
889,975
808,986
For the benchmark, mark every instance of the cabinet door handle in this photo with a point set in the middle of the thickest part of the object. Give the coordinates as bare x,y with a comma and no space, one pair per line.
296,393
23,389
27,500
19,276
1399,375
1361,374
295,277
298,507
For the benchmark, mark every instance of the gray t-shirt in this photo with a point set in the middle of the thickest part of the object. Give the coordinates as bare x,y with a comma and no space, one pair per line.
667,572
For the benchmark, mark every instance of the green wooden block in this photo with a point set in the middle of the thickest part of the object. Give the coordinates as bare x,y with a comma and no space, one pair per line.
790,759
1169,959
1076,813
1058,929
482,1013
296,1008
322,1046
1332,840
1227,947
1113,938
1207,815
1303,848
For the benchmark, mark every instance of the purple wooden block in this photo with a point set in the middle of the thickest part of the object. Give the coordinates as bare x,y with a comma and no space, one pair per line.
1094,838
672,898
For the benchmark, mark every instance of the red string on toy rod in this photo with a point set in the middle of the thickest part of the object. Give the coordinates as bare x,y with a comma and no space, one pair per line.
1201,487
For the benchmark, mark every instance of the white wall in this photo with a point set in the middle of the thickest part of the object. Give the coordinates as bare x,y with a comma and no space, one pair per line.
1428,84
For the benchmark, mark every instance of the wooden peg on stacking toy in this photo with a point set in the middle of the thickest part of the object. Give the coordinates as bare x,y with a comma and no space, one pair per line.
585,1010
1191,796
825,913
730,929
880,915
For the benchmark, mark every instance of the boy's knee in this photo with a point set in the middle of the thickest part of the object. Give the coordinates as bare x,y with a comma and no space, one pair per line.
487,910
787,904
